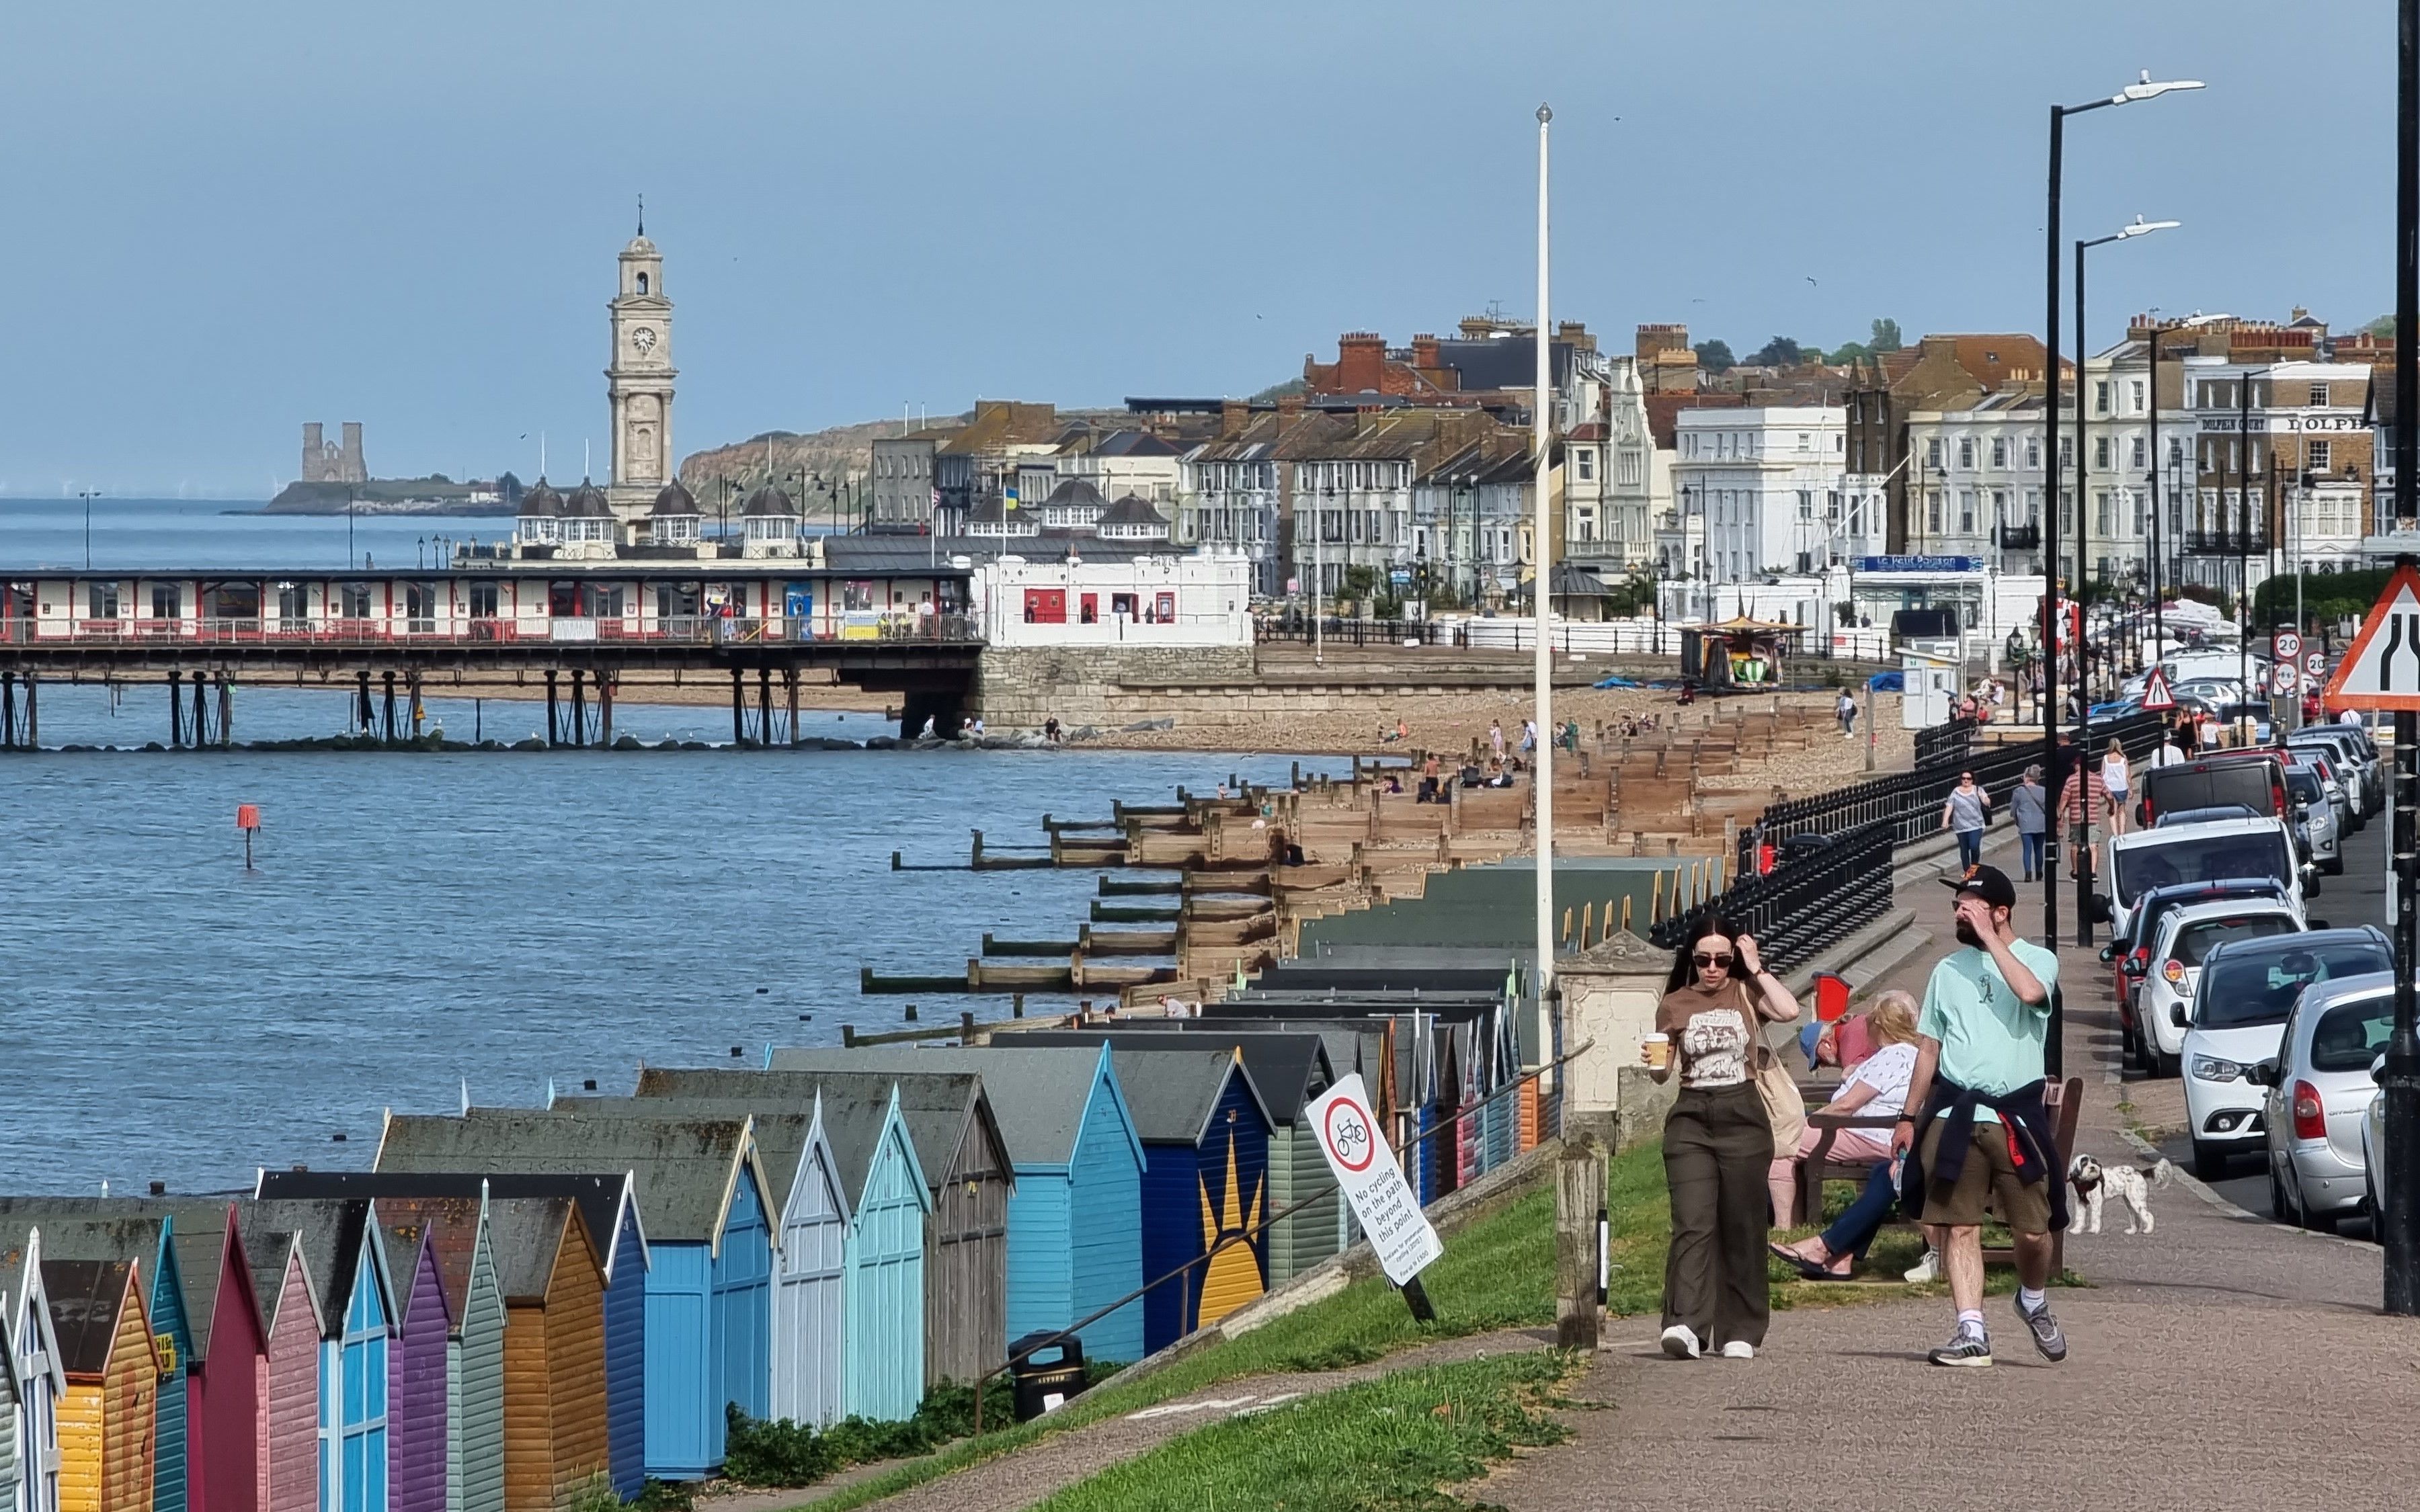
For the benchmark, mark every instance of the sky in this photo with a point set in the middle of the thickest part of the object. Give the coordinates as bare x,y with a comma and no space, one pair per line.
225,221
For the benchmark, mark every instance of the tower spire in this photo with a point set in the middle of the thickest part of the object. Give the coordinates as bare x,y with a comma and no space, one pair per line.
643,215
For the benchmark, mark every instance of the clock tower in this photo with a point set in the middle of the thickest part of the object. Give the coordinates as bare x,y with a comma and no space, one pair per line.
639,382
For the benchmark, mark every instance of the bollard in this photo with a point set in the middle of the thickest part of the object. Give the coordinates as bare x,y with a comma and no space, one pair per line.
1579,1197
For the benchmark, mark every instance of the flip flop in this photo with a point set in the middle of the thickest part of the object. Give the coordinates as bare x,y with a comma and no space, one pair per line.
1800,1263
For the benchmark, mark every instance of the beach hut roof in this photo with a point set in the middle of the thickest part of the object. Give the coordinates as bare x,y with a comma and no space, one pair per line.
20,1275
938,1108
87,1298
684,1171
525,1235
267,1247
1037,1097
601,1197
1175,1093
128,1229
333,1233
1287,1070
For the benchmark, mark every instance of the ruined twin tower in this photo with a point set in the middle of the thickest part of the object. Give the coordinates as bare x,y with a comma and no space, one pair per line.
324,463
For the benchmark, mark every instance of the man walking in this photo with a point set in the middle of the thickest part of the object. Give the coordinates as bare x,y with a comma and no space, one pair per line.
1976,1131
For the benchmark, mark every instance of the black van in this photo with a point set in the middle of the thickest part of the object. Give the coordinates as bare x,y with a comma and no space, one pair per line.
2253,778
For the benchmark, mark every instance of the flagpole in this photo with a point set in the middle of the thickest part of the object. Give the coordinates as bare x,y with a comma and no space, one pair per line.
1542,602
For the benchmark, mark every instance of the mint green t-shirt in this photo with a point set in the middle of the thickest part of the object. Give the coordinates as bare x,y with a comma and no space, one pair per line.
1991,1040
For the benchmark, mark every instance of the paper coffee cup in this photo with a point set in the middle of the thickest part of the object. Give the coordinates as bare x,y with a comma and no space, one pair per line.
1659,1050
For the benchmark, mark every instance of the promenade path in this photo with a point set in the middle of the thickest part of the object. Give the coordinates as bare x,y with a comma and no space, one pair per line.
2223,1360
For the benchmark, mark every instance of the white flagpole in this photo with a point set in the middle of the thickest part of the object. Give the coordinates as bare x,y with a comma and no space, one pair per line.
1541,603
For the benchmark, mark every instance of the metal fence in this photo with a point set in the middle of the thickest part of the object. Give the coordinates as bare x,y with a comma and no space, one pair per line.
1945,742
1814,897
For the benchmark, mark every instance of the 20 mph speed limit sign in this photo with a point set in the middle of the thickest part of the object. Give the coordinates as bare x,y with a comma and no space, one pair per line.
1366,1172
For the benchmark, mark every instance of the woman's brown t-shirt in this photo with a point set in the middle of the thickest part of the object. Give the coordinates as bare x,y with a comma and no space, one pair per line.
1713,1034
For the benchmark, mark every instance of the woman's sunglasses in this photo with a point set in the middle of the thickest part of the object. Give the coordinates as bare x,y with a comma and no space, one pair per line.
1722,960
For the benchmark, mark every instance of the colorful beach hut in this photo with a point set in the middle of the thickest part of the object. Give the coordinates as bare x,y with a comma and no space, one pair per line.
356,1296
965,1161
556,1437
36,1384
108,1422
227,1354
1075,1233
709,1245
288,1413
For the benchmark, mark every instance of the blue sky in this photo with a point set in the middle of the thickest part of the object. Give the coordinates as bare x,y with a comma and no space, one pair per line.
223,220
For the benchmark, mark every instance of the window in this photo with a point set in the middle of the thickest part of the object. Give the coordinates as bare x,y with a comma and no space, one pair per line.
2318,396
1965,452
2315,456
2066,453
2138,450
643,283
356,600
1806,503
2101,454
2033,507
1999,506
2065,513
101,601
167,601
1802,440
2135,395
1588,465
1933,453
2105,519
2176,450
294,602
2033,453
1932,511
2100,397
1965,510
1999,451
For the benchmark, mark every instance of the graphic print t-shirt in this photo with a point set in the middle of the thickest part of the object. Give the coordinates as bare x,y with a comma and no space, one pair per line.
1712,1035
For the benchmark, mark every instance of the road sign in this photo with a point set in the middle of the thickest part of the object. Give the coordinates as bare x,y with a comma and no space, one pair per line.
2287,645
2285,678
2382,667
2155,691
1365,1168
2316,663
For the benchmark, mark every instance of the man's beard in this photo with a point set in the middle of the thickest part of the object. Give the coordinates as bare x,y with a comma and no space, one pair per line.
1966,935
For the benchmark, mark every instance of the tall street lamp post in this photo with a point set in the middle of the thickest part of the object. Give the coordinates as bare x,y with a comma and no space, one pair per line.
2400,1219
2083,535
2143,88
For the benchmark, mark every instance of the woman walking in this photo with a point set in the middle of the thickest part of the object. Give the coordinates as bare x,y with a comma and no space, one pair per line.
2115,778
1963,815
1717,1140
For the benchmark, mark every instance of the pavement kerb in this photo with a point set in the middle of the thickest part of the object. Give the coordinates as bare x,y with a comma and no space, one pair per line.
2225,1205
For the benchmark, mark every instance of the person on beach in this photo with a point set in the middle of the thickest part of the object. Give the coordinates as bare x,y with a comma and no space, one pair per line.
1529,738
1496,738
1717,1140
1874,1086
1963,815
2030,806
2115,781
1975,1131
1846,712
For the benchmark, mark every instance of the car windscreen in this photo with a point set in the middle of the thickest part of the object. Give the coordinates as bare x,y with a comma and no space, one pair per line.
2259,853
2303,784
2259,986
2351,1035
2194,940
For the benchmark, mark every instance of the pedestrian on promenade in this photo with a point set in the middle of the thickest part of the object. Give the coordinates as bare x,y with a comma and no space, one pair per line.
1964,815
1496,738
2081,797
1974,1131
1846,712
2116,782
1717,1140
2029,805
1571,736
1529,738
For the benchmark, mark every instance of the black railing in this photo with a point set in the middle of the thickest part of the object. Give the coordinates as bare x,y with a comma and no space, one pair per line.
1344,631
2021,537
1816,896
2226,543
1945,742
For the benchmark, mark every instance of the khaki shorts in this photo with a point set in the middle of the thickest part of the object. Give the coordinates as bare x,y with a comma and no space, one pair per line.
1986,1185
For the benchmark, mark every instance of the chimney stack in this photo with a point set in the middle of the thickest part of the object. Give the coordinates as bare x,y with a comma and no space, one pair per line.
1234,415
1424,351
1361,363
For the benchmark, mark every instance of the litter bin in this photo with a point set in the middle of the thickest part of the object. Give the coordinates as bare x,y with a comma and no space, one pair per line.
1048,1376
1799,847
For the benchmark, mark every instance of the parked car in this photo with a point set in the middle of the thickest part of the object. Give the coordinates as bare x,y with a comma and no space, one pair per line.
2344,784
2255,778
2315,818
2373,1139
2130,947
2247,991
2359,755
2134,863
2185,937
2317,1093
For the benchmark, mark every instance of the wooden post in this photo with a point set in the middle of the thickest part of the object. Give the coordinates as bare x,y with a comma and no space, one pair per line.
1655,903
1579,1194
1626,914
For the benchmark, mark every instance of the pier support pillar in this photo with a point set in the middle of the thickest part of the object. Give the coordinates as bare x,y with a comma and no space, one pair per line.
419,705
226,709
33,711
553,719
7,711
946,711
176,711
765,705
361,702
738,710
579,706
790,688
387,721
605,708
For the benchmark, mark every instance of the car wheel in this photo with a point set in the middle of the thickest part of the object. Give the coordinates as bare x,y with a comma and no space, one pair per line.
2209,1161
2304,1217
2165,1066
2129,1045
2276,1194
2333,867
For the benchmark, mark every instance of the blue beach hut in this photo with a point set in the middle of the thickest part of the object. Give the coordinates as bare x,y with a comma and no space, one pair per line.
702,1192
1075,1229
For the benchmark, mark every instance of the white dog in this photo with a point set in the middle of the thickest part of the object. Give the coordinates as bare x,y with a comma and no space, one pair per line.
2134,1187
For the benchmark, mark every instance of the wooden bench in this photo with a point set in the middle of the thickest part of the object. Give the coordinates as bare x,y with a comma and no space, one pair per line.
2064,1099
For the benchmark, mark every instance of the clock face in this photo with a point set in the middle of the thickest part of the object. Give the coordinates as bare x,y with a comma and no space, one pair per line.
644,339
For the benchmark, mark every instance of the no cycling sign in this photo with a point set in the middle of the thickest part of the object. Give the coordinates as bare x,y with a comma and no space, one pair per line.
1366,1172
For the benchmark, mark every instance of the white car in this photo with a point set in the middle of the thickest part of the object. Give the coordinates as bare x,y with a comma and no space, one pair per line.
2247,991
2137,861
2185,936
2315,811
2319,1089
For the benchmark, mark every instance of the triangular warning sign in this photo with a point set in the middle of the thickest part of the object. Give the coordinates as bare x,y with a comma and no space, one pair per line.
2155,691
2381,669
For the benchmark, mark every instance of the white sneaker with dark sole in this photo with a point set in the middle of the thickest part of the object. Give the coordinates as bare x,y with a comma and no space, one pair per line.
1924,1270
1963,1350
1681,1343
1739,1349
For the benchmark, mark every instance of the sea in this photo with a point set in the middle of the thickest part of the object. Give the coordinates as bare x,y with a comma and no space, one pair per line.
415,928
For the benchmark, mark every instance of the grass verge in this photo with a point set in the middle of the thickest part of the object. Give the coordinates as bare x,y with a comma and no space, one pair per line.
1387,1445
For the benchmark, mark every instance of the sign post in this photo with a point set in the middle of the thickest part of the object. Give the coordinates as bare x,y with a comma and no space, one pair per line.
2156,695
2381,671
1365,1170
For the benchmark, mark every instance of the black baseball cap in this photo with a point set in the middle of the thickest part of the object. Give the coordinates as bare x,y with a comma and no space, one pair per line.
1988,883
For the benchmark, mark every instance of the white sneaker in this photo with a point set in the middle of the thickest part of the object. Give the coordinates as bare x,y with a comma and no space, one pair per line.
1926,1269
1681,1342
1739,1349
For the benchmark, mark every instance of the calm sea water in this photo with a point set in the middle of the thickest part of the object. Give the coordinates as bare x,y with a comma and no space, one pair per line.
419,921
134,533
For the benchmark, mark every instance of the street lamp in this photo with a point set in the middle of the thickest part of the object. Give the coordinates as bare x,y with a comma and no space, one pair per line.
2144,88
1319,572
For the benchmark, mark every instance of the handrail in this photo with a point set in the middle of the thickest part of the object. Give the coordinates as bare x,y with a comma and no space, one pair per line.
450,629
1245,1235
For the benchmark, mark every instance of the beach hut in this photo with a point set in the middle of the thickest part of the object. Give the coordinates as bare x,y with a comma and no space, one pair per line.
358,1303
288,1411
37,1384
228,1353
1289,1070
709,1249
965,1166
1075,1232
556,1440
108,1418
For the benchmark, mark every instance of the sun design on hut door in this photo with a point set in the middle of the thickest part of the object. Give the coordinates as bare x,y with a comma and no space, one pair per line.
1234,1274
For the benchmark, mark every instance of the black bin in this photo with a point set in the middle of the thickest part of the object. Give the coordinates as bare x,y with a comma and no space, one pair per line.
1048,1376
1799,847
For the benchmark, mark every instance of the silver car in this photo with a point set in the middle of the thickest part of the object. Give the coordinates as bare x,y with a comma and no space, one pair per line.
2318,1092
2354,758
2315,818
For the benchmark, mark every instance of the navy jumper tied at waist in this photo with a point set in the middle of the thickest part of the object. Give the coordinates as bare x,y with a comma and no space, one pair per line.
2035,1151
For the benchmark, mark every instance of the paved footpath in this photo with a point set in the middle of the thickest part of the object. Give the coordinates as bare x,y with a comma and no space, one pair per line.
2223,1361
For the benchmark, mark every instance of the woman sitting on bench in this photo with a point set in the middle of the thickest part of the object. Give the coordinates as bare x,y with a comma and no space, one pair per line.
1874,1086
